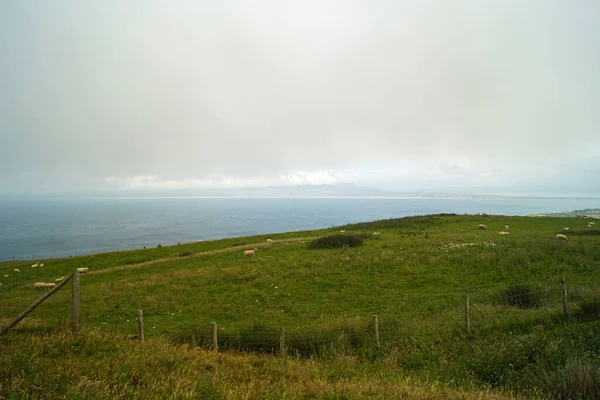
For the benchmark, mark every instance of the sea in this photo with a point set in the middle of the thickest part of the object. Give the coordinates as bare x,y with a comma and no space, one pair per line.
41,228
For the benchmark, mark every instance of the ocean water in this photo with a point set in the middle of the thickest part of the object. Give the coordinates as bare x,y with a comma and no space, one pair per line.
45,228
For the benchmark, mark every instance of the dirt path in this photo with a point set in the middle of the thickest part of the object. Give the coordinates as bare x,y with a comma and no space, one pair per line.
199,254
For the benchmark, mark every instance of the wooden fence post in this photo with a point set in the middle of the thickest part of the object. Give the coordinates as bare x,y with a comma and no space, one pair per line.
467,317
376,330
281,341
215,344
564,296
140,320
75,302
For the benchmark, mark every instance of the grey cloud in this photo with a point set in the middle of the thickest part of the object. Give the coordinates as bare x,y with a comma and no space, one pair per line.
199,90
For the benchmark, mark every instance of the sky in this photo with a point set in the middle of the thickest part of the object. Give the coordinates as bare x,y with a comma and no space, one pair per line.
427,95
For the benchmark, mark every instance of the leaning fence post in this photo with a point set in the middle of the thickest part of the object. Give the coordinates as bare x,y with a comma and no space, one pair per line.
75,302
140,321
376,330
281,341
467,317
215,344
564,296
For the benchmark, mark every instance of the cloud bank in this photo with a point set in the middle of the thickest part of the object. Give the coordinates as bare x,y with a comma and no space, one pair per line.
397,94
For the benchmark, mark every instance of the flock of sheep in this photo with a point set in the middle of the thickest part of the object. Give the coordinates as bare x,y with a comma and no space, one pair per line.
48,285
559,236
52,285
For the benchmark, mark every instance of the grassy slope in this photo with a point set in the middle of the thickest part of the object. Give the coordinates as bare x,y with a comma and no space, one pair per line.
325,299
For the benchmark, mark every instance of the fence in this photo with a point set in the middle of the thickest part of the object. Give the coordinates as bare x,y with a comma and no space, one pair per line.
54,288
487,308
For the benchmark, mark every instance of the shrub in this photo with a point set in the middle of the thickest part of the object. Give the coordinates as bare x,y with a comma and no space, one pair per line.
520,295
159,246
587,232
578,379
336,241
590,306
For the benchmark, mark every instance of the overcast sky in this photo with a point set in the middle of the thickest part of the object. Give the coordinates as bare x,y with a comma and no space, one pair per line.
476,95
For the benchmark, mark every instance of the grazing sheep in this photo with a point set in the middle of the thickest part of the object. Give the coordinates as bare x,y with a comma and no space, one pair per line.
376,233
593,223
566,229
506,227
59,279
41,265
83,270
39,285
269,240
34,265
504,233
50,285
6,276
482,227
250,252
342,231
17,270
560,236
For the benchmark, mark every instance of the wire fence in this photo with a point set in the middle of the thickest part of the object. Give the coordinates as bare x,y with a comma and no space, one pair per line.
458,314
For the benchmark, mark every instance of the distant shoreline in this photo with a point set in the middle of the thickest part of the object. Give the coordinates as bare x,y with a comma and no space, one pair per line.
398,197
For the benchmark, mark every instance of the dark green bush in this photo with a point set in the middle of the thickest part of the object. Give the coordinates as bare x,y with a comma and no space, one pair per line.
337,241
520,295
590,306
587,232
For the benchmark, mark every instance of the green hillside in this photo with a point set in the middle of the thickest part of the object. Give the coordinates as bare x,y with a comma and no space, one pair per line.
414,275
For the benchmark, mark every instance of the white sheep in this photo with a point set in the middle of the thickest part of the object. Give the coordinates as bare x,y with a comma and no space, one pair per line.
250,252
376,233
41,265
50,285
504,233
560,236
6,276
593,223
34,265
342,231
482,227
17,270
59,279
506,227
566,229
269,240
83,270
39,285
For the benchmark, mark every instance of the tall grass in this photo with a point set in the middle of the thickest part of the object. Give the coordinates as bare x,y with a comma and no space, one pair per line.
578,379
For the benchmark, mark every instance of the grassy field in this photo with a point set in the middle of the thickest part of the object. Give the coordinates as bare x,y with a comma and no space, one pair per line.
414,276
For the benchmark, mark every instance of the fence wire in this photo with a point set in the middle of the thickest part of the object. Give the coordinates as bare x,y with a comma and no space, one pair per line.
495,307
